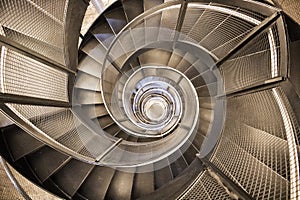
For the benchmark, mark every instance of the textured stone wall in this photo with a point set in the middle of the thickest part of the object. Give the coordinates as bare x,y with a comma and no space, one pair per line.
290,7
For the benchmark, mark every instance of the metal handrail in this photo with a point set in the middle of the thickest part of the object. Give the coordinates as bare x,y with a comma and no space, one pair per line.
32,130
13,180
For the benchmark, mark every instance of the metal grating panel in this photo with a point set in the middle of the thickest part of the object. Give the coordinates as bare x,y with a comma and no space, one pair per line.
71,132
268,119
225,33
255,149
255,63
268,149
38,24
253,176
205,24
206,187
32,112
214,30
159,26
24,76
44,22
55,8
168,23
251,13
41,47
169,17
291,129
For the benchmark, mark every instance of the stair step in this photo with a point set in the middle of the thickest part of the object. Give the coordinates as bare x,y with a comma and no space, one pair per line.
122,134
206,114
201,66
206,102
132,139
116,19
79,196
94,111
196,69
132,8
146,139
178,186
155,57
88,82
190,154
52,187
175,58
205,78
113,129
97,183
148,4
163,175
198,140
103,33
186,62
90,66
104,121
209,77
94,49
143,182
88,97
179,165
191,72
121,186
20,143
204,126
135,63
209,90
46,161
72,175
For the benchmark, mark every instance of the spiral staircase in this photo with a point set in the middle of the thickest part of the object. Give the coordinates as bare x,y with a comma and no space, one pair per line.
162,99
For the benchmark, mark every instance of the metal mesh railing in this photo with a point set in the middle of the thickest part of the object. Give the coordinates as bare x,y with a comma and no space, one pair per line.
263,102
56,9
213,30
21,75
255,150
256,63
43,25
33,112
206,187
260,142
62,126
55,53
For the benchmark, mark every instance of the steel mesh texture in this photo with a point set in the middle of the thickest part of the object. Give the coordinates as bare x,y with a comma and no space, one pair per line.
71,132
25,76
206,187
44,24
254,64
213,30
253,151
